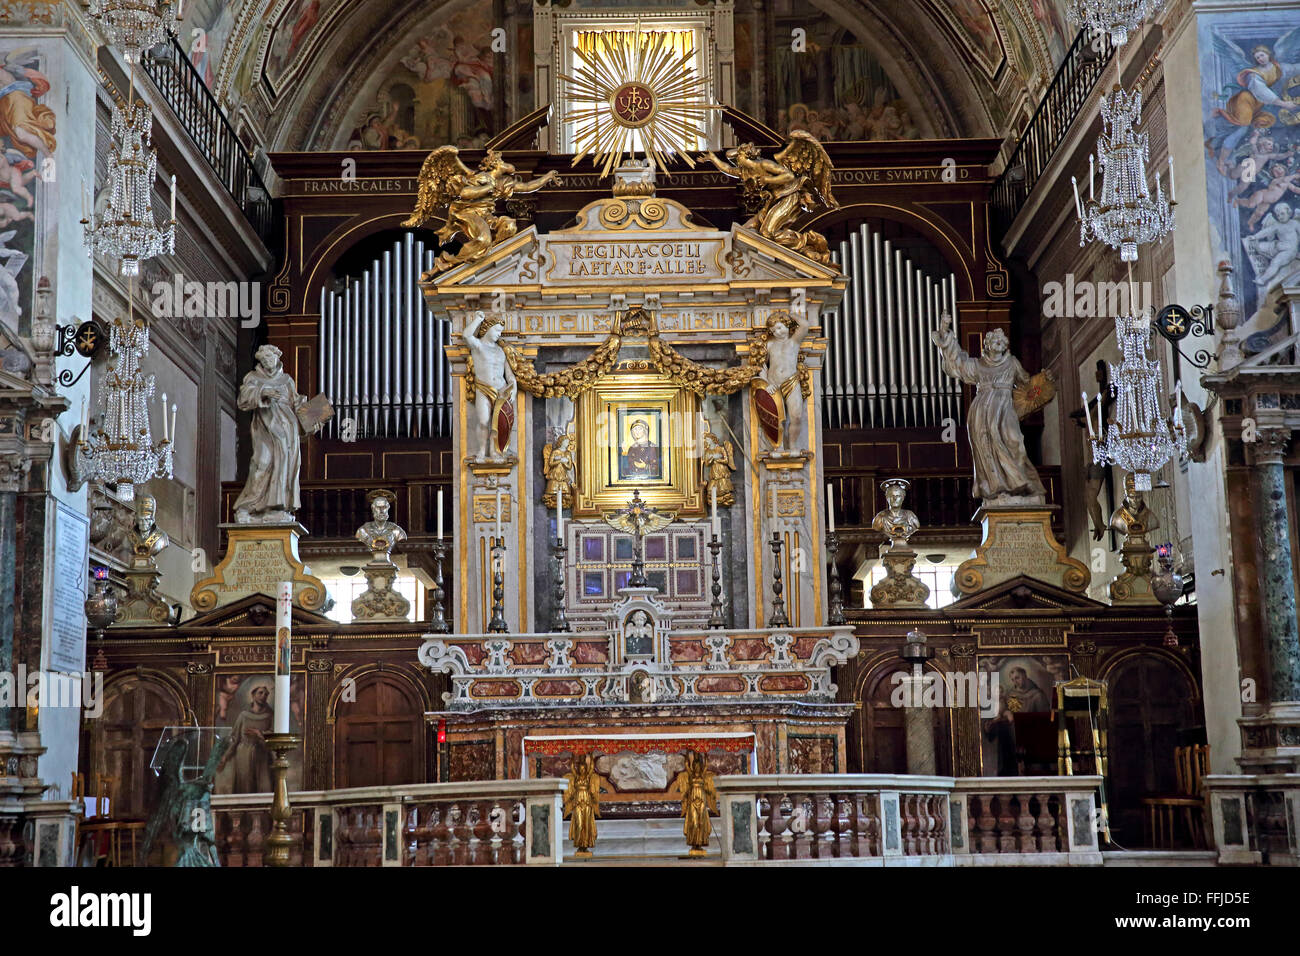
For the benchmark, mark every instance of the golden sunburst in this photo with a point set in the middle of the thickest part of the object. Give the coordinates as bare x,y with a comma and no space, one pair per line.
634,85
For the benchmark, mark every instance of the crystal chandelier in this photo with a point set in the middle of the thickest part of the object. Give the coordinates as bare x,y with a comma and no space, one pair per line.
126,229
1140,439
135,25
1119,18
1126,214
121,451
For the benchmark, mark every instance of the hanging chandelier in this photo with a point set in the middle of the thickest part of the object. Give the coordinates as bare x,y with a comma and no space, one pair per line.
126,229
1119,18
121,451
1140,439
135,25
1126,214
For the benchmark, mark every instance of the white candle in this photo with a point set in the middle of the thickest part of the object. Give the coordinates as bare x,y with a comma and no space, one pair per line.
716,525
172,431
1087,415
830,507
283,652
1078,203
1171,180
1178,402
1101,422
173,199
439,514
164,421
1092,174
499,516
83,198
559,514
85,428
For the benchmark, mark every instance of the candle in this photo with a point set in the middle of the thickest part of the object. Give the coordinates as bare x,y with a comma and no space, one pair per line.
1092,173
499,516
1078,203
559,514
830,507
439,514
85,426
84,216
1171,180
716,525
283,652
172,431
173,198
1178,402
1101,422
164,421
1087,416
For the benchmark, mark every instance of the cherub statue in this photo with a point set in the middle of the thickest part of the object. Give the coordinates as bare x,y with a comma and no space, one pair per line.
895,521
146,540
1003,472
699,799
186,805
781,412
558,467
796,180
718,461
1275,248
379,534
491,387
582,803
470,198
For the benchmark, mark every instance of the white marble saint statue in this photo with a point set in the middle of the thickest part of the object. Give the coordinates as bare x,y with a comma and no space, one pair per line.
270,494
1003,473
785,338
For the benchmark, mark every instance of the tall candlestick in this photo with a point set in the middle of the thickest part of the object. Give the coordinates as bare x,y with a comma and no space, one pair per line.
830,507
559,514
439,514
164,415
1087,415
283,654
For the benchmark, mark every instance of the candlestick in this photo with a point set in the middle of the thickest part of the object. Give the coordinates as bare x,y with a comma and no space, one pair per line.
559,620
1078,203
498,623
778,618
439,514
836,591
283,654
279,841
715,616
830,507
1087,415
438,622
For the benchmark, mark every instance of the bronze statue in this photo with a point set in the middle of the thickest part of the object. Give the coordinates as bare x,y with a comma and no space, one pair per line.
186,805
582,803
796,180
699,799
379,534
146,540
471,199
895,522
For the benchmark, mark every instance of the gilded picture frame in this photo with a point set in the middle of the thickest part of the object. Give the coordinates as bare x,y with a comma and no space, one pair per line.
637,432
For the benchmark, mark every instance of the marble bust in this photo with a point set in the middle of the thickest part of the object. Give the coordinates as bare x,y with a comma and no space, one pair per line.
146,540
895,522
379,534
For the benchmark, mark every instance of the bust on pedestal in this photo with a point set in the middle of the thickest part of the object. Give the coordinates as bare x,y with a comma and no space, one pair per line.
143,604
379,602
1134,520
900,588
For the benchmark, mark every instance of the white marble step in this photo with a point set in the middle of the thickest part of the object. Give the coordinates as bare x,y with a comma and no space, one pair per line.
631,839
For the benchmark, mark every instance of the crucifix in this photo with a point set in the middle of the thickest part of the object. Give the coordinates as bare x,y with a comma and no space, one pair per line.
638,519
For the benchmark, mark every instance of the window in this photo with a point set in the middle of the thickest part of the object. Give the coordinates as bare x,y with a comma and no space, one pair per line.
345,589
937,576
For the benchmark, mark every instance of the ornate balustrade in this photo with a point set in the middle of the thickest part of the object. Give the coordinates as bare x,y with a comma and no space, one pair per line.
1255,817
475,823
909,820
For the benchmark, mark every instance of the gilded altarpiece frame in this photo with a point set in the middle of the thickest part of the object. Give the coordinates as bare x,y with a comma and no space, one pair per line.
607,412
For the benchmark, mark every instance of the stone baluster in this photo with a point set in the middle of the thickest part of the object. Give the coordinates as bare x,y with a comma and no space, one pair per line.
825,848
986,824
1025,842
1046,826
411,836
375,838
475,825
256,839
782,835
234,839
844,826
764,828
1006,824
459,836
520,817
442,837
939,812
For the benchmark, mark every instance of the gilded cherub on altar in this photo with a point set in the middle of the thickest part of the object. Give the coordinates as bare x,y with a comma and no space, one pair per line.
796,180
717,462
471,198
558,465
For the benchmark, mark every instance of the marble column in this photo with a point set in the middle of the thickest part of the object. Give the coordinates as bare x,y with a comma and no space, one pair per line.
918,727
8,579
1281,639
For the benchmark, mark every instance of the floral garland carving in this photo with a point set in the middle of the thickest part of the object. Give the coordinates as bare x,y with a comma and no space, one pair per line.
570,382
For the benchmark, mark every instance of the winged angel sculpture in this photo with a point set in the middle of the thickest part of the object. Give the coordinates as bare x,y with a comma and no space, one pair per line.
796,180
471,198
186,805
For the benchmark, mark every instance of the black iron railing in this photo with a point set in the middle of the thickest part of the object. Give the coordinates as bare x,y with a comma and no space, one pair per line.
188,96
1070,89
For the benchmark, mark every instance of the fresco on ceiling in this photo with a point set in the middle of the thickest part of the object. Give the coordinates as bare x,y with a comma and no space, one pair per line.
973,24
836,89
437,89
27,202
291,33
1250,90
204,34
1057,30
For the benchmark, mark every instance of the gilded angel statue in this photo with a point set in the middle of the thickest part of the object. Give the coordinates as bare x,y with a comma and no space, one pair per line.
795,181
718,461
471,199
558,467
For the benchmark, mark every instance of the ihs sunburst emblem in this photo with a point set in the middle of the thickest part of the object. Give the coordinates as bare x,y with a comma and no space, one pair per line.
630,86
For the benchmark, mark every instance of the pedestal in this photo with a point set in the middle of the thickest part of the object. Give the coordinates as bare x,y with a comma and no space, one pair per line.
1019,541
379,602
142,604
1133,584
899,588
258,557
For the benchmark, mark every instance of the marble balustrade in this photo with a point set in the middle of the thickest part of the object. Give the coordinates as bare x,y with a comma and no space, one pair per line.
1255,817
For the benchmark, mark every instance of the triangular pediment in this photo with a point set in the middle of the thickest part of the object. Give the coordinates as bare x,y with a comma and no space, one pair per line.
255,610
1024,595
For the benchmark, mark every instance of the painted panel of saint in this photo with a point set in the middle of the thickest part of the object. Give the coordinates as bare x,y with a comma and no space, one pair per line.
640,450
246,704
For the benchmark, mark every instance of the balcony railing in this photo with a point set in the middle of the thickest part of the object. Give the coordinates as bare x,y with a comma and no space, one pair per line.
188,96
1070,89
336,507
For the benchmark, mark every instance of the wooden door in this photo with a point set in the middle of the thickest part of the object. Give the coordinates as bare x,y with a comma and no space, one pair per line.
379,737
122,742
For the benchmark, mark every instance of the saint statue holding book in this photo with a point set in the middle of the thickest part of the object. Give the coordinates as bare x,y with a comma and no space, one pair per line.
280,415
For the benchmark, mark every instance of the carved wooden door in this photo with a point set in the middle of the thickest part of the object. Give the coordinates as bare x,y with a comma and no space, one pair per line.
379,737
123,741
